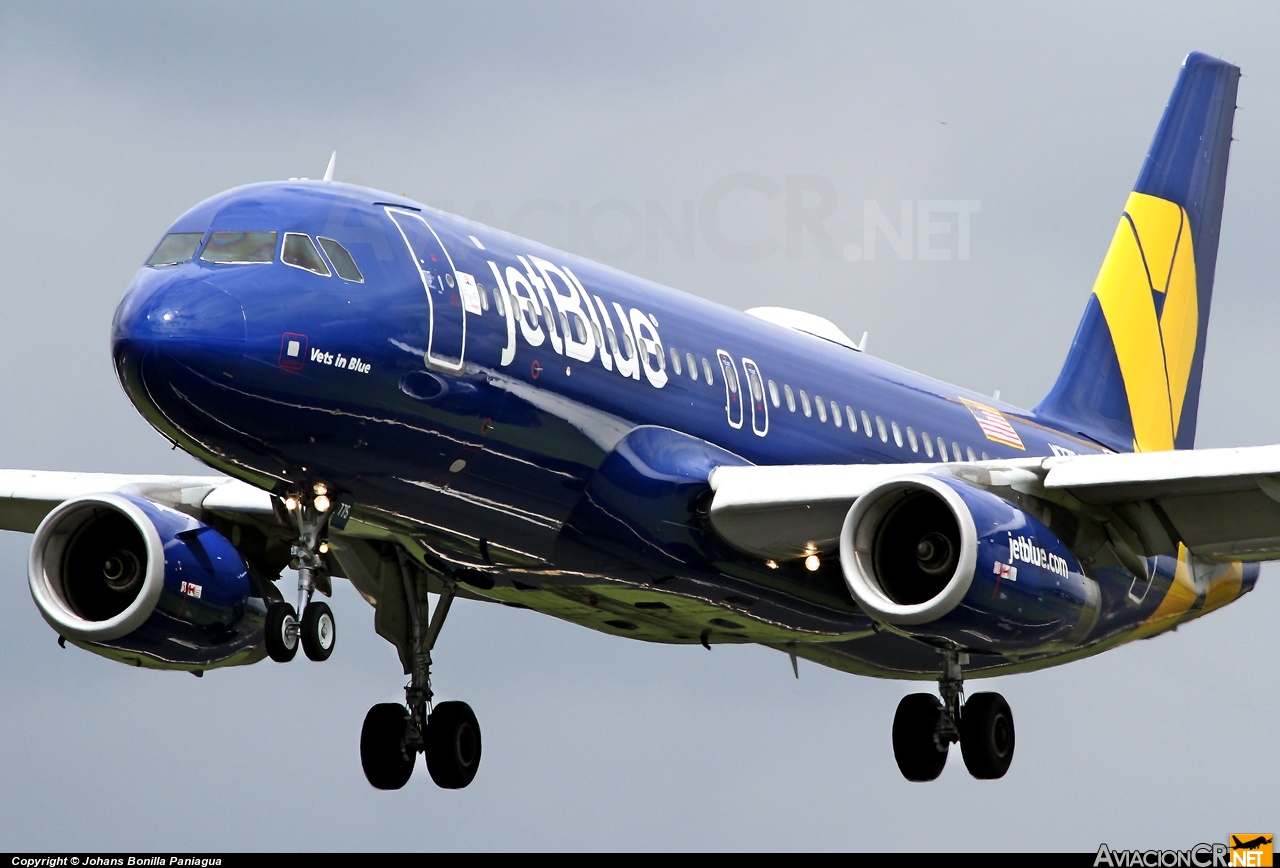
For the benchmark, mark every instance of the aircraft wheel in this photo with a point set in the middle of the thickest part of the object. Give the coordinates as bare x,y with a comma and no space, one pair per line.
281,632
318,631
986,735
382,753
919,757
453,745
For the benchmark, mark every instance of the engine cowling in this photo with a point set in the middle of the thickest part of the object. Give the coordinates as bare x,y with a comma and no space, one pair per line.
145,584
942,559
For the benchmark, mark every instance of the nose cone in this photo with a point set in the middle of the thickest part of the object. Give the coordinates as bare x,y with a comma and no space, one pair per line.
181,316
172,336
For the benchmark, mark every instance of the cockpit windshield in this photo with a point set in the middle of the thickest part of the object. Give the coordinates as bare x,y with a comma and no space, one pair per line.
176,248
235,247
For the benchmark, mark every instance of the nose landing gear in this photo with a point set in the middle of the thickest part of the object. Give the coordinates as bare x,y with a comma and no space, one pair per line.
924,728
316,631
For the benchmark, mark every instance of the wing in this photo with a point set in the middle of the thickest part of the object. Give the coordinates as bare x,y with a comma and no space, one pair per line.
27,496
1221,504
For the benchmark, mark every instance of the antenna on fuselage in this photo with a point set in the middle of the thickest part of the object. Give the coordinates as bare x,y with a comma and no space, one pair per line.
333,161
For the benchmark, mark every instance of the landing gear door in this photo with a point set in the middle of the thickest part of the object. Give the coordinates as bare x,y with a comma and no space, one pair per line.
755,390
732,389
448,326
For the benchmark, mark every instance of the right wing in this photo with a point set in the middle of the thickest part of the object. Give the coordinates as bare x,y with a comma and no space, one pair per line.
1221,504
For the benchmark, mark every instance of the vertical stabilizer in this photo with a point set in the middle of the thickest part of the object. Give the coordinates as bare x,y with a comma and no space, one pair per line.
1132,377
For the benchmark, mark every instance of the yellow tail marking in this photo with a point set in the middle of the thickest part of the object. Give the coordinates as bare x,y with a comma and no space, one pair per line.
1180,597
1151,254
1215,583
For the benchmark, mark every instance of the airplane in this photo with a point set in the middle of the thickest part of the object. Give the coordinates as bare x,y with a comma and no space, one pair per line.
432,409
1251,844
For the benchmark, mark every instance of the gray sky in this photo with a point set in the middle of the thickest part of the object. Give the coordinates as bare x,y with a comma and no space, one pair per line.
599,127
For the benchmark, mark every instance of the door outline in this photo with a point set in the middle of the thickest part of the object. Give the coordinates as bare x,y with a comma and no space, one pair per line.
437,355
759,406
732,389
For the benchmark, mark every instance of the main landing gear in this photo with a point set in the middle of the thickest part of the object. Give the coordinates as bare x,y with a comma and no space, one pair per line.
393,735
316,631
924,728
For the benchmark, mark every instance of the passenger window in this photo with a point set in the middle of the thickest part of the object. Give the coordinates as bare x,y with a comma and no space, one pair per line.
835,414
897,434
675,360
884,432
300,252
773,394
942,450
852,417
484,296
928,444
956,454
343,263
693,366
176,248
866,424
791,398
972,456
911,438
821,406
497,301
706,369
986,457
240,247
804,403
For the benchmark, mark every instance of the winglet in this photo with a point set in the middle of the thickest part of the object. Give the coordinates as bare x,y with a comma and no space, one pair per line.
333,161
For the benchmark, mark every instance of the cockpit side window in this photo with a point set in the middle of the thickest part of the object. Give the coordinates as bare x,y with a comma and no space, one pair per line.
240,247
300,252
342,261
176,248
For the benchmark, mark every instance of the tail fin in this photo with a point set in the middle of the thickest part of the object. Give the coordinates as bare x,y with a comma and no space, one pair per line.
1132,376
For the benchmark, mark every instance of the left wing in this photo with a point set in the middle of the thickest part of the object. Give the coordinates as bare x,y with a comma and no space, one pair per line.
27,496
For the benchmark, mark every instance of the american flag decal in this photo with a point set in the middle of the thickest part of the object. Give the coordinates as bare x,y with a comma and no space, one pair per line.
994,424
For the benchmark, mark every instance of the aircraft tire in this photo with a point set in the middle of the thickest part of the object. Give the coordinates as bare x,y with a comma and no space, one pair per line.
382,747
282,642
453,745
918,756
986,735
318,631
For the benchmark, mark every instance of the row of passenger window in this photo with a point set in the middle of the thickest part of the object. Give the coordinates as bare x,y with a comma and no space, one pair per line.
826,410
922,442
245,248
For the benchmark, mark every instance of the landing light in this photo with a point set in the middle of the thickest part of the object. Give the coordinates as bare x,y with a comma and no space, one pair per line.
771,564
291,503
321,503
812,563
324,548
320,488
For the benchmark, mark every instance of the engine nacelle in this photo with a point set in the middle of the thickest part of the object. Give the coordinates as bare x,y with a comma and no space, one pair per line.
145,584
938,558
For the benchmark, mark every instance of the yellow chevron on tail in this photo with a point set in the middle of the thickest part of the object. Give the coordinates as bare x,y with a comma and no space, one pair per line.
1147,290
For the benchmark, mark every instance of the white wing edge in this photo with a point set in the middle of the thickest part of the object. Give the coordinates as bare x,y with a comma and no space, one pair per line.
27,496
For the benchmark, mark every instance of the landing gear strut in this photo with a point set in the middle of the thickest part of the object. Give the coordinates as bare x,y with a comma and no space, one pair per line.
448,735
316,630
924,728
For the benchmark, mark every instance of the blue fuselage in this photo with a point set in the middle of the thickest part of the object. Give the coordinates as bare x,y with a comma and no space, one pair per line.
547,419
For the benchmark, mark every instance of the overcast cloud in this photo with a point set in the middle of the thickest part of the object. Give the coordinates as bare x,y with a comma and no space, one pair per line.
732,150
